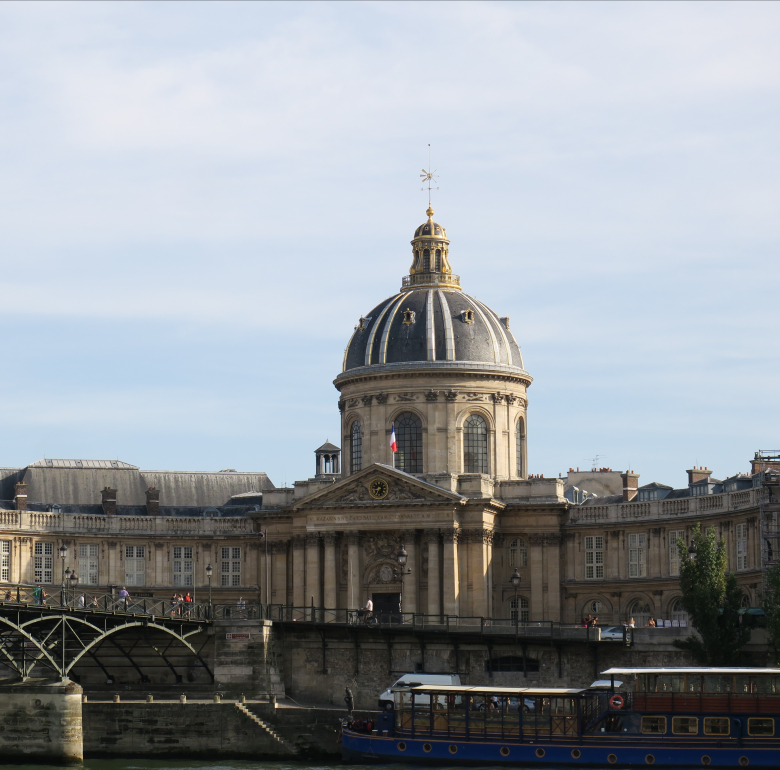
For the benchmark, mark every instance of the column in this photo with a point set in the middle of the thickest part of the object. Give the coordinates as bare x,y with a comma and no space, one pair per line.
411,579
478,572
330,599
313,571
159,575
298,572
354,598
279,575
112,561
537,576
450,573
552,558
434,573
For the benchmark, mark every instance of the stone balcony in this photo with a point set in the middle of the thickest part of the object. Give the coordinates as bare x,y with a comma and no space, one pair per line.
76,523
667,509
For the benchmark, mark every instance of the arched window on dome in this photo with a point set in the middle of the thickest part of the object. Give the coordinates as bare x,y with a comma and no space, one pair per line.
475,445
408,435
437,266
520,446
355,447
426,260
518,553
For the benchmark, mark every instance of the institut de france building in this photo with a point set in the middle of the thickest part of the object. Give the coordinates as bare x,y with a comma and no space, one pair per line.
446,371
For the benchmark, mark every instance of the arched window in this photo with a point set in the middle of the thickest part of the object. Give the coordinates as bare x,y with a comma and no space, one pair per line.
640,612
426,260
437,266
595,607
745,602
679,615
475,445
520,445
356,447
408,435
519,609
518,553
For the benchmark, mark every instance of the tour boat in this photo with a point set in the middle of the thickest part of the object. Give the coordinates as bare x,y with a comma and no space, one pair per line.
671,717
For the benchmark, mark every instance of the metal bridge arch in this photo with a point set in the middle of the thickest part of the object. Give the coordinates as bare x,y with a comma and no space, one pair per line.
64,628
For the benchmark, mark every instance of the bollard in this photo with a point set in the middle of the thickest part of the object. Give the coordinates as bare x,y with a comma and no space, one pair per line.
83,698
150,698
182,699
116,699
273,700
217,698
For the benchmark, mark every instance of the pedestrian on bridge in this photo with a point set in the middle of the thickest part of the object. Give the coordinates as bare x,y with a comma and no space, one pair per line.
82,601
124,598
37,594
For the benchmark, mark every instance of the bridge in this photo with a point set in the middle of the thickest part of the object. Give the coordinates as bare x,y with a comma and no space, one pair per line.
49,636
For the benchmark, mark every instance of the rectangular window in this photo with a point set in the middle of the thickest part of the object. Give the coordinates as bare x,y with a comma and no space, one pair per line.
685,725
135,565
594,556
43,562
717,725
182,565
674,554
764,727
741,546
231,566
5,560
654,725
88,564
637,555
520,609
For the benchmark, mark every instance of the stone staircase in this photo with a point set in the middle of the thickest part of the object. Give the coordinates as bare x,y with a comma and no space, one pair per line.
278,738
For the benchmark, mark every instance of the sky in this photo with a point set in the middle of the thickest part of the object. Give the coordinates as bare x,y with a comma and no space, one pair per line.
199,200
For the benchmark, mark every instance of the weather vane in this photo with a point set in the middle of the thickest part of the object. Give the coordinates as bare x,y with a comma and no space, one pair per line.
429,176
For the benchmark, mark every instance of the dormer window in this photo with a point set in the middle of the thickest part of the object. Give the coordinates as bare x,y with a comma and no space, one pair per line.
468,316
408,317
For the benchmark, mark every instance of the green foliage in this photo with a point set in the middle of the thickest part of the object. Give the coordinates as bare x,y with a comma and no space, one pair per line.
711,597
770,602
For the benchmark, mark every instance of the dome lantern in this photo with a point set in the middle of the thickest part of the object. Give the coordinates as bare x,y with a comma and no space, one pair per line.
430,258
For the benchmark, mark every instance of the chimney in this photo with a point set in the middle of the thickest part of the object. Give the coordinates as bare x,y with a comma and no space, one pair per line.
108,496
152,502
20,496
697,473
630,484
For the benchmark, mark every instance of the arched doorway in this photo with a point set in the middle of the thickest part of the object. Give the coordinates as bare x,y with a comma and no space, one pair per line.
641,613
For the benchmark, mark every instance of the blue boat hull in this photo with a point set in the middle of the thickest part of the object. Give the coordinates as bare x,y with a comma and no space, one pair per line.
363,748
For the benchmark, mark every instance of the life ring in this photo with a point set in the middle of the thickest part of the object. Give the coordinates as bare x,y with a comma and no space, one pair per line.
616,701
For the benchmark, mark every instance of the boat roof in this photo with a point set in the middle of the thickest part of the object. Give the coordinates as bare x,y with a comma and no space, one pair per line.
466,688
701,671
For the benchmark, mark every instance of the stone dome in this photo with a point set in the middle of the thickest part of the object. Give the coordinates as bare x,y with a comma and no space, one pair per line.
431,322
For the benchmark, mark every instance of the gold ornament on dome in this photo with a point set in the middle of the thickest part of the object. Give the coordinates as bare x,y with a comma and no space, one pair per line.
378,489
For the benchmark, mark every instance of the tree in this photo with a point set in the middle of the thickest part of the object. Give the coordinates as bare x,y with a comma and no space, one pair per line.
770,602
711,597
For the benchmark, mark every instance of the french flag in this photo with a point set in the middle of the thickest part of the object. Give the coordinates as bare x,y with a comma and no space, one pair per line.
393,444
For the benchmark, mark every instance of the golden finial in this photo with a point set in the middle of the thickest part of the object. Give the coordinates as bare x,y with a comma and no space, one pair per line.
430,177
429,213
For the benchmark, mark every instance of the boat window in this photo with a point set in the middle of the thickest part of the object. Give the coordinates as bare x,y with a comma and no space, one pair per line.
742,684
717,725
642,683
654,725
692,683
685,725
718,683
761,726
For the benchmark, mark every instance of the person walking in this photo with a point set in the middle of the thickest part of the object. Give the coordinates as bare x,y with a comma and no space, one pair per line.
124,598
187,604
349,699
82,601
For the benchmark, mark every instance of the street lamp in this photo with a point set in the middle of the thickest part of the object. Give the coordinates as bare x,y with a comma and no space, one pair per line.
401,558
63,554
209,572
692,551
515,581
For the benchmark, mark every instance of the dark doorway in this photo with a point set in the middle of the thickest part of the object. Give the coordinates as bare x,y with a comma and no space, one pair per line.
386,607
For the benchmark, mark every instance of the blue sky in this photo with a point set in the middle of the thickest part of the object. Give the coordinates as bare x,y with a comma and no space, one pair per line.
199,200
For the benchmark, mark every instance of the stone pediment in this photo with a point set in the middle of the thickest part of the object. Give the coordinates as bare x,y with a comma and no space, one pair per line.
400,488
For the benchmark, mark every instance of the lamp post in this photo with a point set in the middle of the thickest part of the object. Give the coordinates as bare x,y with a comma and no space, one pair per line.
209,571
692,551
65,585
401,558
63,554
515,581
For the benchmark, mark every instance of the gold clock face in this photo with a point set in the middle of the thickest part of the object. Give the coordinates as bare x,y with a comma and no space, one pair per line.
378,489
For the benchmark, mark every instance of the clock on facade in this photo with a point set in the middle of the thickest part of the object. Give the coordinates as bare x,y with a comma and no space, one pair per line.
378,489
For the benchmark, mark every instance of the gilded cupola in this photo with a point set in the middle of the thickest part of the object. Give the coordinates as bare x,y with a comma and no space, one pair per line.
430,257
